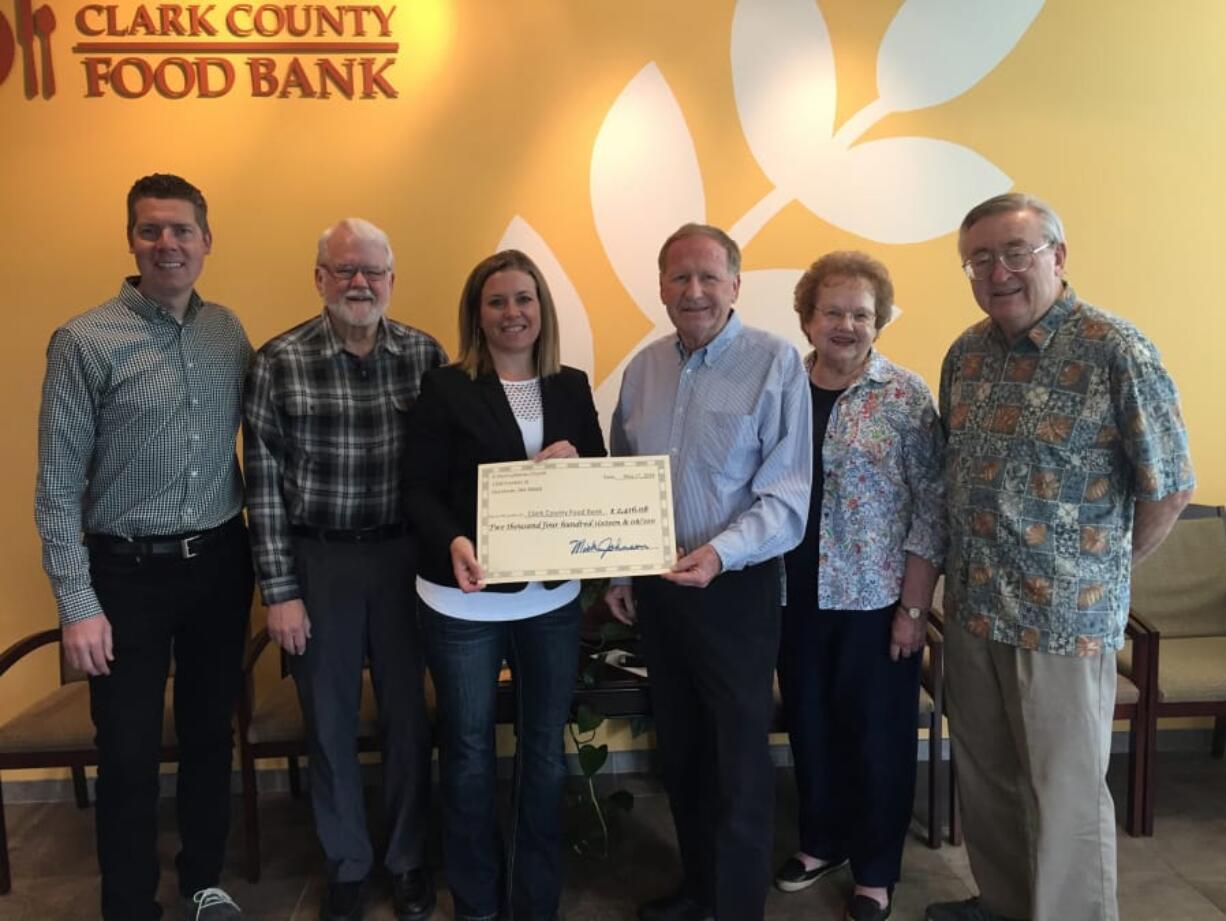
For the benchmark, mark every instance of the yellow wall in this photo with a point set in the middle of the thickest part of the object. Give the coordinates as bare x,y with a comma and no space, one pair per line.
1110,109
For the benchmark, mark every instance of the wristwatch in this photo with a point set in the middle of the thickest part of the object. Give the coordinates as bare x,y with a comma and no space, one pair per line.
913,613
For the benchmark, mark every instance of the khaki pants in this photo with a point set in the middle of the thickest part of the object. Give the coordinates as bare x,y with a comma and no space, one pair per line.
1032,735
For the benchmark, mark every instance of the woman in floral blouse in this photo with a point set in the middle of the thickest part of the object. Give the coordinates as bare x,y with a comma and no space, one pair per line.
859,587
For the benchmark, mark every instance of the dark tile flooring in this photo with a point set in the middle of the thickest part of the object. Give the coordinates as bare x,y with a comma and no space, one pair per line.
1179,874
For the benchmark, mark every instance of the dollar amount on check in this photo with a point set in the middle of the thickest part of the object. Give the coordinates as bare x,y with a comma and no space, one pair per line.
583,518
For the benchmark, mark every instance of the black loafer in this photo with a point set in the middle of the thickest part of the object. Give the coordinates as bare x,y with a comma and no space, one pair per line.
864,908
792,876
413,895
675,907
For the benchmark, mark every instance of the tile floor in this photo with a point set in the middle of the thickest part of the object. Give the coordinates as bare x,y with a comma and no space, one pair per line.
1179,874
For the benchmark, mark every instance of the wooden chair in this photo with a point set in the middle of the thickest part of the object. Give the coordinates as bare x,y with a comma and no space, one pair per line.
1133,700
1179,596
56,731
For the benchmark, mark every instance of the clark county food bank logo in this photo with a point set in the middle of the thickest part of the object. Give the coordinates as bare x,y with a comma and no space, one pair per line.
282,51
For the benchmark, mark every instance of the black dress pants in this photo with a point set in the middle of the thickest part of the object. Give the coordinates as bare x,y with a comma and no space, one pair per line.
711,657
851,715
198,608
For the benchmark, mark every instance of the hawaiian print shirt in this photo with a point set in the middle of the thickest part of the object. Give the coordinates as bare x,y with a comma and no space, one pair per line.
883,495
1051,441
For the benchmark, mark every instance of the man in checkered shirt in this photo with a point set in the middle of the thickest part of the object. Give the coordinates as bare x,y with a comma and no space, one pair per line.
324,441
138,506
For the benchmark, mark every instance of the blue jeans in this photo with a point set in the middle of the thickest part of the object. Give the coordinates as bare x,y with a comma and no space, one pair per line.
464,658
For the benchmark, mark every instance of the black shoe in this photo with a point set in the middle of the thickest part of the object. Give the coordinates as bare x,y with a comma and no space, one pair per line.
675,907
864,908
342,902
413,895
792,876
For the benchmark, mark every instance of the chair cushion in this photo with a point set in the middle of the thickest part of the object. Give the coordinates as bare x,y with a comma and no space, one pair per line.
1181,586
1191,669
1125,691
60,721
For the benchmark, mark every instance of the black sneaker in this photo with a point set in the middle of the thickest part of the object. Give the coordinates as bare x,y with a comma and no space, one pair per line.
210,904
342,902
792,876
413,895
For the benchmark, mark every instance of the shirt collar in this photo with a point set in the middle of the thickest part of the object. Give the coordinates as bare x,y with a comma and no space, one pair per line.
1045,329
140,304
877,369
709,353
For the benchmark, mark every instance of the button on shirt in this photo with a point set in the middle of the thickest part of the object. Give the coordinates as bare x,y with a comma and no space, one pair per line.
324,437
136,431
1051,441
735,419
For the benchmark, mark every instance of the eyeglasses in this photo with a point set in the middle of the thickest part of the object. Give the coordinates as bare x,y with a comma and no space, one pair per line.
350,272
1014,259
858,317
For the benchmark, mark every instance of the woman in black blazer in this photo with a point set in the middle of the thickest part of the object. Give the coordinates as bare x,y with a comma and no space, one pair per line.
506,398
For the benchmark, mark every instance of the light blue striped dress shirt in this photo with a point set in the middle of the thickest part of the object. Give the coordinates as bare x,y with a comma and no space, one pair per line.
735,419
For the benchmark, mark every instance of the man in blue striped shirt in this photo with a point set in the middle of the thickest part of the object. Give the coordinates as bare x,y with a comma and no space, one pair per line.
730,406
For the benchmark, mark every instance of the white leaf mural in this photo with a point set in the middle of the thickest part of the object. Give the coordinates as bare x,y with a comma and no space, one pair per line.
935,50
784,81
645,183
902,190
766,299
575,332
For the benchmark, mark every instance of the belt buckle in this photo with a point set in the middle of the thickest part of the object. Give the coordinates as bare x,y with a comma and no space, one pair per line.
185,547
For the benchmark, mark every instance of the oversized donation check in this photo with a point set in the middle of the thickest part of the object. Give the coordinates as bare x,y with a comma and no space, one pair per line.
575,518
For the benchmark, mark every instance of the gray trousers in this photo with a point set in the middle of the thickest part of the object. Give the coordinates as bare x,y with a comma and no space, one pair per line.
362,604
1032,735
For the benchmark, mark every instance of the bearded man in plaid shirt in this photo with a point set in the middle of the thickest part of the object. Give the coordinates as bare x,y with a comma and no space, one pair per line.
324,437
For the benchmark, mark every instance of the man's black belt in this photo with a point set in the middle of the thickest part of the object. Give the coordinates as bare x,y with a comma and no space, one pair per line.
351,535
178,546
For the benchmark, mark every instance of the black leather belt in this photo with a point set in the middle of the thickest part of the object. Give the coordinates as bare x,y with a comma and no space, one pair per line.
351,535
179,546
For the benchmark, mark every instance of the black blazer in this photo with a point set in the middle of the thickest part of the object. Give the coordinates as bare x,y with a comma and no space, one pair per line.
458,423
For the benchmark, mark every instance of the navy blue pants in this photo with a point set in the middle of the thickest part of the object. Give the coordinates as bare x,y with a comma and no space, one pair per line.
465,658
851,715
710,654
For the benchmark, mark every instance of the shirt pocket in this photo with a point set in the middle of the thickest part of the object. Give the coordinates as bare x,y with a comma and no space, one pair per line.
317,423
726,445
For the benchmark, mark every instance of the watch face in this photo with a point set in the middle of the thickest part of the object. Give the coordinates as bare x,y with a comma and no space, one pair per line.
914,613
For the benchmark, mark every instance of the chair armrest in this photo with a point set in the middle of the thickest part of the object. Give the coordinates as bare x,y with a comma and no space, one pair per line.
255,648
936,621
1139,625
25,646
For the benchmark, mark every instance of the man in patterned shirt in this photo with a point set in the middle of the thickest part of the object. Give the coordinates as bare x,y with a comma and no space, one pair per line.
140,409
324,441
1067,462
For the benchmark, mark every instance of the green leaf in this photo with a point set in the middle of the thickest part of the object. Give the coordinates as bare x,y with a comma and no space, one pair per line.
621,799
640,725
614,631
587,719
592,758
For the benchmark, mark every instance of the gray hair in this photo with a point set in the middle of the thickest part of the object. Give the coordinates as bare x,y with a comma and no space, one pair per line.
360,229
1053,227
704,230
